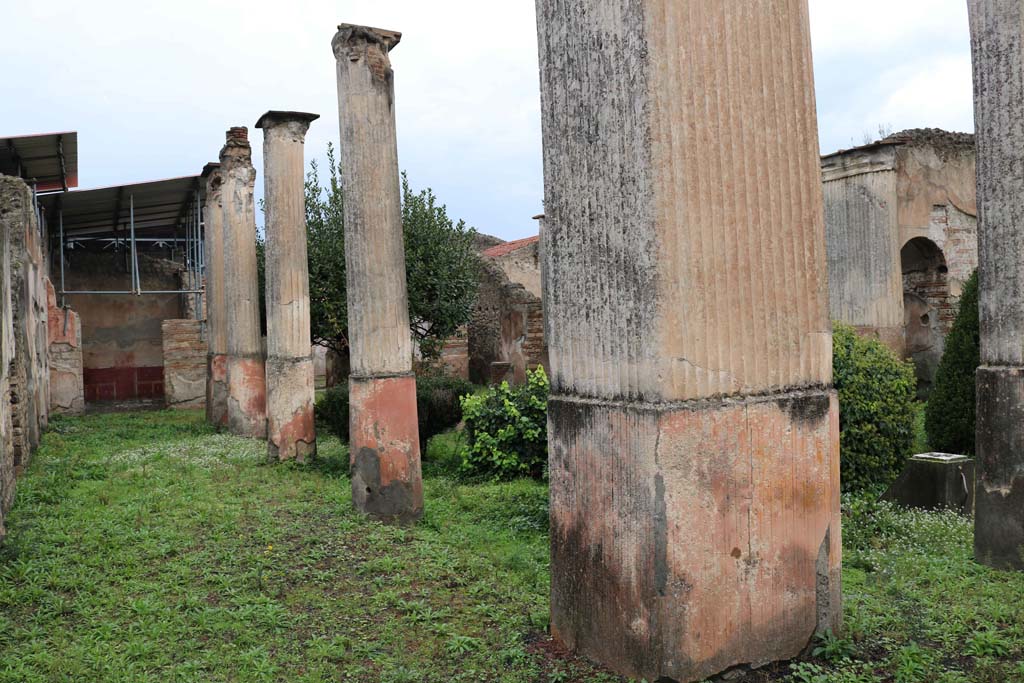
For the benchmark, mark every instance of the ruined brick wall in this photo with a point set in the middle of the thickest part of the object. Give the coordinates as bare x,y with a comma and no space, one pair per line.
184,347
484,332
67,387
520,260
122,339
938,232
506,330
29,370
455,354
937,191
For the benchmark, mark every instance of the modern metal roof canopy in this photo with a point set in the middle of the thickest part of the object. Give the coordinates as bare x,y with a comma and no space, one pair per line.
160,207
49,160
156,211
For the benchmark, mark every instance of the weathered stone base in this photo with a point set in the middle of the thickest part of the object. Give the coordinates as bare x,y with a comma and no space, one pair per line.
384,443
217,389
247,397
291,430
999,492
688,539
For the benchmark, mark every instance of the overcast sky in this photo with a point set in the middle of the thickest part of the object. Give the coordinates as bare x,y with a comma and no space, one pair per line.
152,86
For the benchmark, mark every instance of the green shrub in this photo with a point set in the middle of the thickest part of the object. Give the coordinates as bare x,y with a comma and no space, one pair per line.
507,430
876,409
437,404
331,411
949,417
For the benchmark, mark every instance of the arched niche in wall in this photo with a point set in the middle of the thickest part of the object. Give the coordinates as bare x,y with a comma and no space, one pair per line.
928,307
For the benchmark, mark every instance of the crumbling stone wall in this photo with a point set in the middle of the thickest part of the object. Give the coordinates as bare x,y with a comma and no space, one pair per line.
67,386
506,330
184,363
6,357
29,371
885,204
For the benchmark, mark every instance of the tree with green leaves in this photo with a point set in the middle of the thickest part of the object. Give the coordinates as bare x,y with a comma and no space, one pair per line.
441,264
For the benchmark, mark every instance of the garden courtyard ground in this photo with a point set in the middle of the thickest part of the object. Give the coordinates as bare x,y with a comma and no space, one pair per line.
144,547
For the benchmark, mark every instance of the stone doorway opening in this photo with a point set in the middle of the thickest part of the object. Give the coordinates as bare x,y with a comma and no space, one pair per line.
928,307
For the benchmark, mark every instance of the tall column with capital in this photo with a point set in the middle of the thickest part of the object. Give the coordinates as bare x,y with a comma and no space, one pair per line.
693,431
216,315
246,375
291,434
384,436
997,44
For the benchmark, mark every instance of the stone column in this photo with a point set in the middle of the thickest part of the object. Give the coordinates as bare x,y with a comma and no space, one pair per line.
997,43
216,315
384,438
693,432
290,392
247,382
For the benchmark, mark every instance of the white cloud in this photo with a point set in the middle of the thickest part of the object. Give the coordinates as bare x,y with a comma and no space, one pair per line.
151,86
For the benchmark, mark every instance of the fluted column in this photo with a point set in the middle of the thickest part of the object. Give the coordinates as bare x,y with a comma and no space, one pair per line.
291,434
216,315
384,438
247,382
693,431
997,43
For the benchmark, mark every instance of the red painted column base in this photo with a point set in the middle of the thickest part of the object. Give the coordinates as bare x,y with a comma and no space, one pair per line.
690,538
291,428
247,397
217,389
387,483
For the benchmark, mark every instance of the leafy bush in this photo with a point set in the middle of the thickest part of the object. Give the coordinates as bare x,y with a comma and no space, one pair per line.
437,406
507,430
876,409
332,411
949,418
437,403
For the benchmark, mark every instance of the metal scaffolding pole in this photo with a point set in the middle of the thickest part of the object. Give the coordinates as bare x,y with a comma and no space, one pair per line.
136,280
198,283
60,216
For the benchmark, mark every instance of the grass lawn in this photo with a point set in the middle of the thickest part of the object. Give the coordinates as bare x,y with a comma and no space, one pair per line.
144,547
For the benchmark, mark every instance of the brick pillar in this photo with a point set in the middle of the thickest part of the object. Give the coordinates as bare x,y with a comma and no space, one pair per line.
384,439
692,429
997,43
247,382
290,392
216,315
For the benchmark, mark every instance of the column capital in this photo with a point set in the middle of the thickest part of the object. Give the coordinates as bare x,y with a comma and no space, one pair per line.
353,36
214,177
367,44
275,118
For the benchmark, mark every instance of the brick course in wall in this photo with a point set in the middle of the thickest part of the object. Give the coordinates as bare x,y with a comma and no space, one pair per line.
184,371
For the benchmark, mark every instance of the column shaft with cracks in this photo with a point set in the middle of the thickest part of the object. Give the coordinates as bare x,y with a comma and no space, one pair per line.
246,375
997,40
291,434
384,438
693,431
